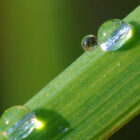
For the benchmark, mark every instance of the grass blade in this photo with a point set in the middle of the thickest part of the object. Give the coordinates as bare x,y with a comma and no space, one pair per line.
95,96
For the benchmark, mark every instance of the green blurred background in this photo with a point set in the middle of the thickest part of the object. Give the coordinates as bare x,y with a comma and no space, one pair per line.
40,38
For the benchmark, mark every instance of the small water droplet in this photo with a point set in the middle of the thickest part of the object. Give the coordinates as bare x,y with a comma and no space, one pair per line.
63,129
89,42
113,34
17,123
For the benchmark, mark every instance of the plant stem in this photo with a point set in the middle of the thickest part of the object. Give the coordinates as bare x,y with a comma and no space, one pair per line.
95,96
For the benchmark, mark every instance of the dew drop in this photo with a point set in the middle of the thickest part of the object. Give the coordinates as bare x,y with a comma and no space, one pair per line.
63,129
17,123
113,34
89,42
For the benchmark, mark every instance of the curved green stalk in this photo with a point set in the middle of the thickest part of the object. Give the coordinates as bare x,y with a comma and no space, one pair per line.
95,96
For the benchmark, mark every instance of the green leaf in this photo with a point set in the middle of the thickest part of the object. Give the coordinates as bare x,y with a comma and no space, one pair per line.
95,96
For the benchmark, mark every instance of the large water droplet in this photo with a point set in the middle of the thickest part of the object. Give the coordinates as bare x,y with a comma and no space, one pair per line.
113,34
17,123
89,42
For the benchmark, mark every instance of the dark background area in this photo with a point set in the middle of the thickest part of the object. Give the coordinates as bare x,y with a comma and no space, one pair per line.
40,38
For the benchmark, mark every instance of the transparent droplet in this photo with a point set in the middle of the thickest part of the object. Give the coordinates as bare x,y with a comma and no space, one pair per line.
63,129
113,34
89,42
17,123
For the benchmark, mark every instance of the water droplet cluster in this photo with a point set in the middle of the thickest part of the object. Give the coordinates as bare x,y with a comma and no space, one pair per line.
111,36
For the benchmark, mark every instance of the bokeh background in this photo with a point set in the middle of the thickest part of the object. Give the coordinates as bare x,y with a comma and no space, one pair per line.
40,38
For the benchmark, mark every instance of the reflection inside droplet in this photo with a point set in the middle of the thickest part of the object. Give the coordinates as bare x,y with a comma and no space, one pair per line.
89,42
23,128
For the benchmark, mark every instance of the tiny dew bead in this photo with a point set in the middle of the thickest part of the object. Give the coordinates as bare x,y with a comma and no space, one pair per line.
89,42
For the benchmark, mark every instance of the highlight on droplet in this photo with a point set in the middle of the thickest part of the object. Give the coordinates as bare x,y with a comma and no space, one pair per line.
39,124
